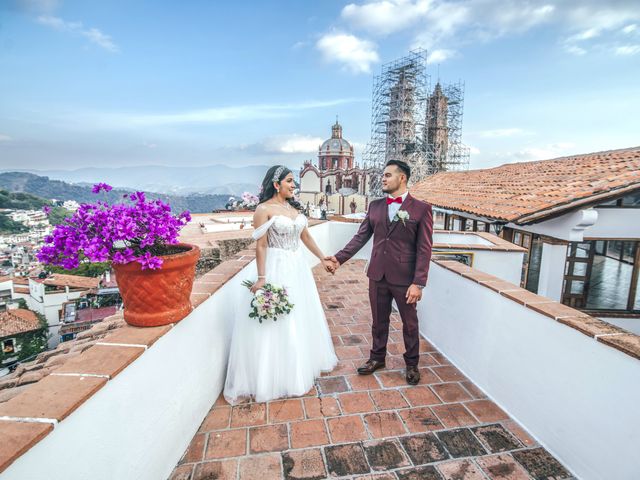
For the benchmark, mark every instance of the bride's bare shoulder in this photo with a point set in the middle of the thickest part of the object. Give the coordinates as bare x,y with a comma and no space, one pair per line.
262,214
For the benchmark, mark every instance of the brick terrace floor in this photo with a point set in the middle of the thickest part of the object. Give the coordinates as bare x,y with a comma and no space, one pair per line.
367,427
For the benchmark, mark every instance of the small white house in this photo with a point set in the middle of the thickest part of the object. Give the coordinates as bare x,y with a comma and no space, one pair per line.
578,217
47,295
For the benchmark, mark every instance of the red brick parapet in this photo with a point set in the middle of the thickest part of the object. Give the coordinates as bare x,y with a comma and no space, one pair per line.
595,328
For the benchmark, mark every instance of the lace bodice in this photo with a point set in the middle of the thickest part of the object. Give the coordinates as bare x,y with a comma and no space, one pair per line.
282,231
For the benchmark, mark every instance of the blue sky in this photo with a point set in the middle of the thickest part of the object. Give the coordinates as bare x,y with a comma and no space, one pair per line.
85,83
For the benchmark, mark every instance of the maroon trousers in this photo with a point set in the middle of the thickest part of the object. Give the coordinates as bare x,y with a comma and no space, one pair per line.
381,294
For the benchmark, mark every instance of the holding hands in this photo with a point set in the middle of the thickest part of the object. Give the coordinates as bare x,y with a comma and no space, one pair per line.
330,264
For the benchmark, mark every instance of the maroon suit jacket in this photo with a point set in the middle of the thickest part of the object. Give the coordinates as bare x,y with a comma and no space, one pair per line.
401,252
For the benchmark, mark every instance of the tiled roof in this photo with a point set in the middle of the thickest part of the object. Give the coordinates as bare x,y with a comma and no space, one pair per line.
13,322
527,192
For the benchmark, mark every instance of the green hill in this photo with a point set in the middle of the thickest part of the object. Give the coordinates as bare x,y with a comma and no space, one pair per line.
21,201
8,226
28,183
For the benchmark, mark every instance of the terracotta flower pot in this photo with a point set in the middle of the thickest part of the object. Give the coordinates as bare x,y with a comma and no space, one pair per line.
158,297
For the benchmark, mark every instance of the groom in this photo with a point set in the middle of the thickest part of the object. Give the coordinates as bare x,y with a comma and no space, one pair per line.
402,229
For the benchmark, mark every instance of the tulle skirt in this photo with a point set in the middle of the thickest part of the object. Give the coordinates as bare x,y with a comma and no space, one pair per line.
282,358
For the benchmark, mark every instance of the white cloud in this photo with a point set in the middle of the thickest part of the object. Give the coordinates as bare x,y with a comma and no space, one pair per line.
585,35
544,152
92,34
292,144
355,55
440,55
99,38
455,23
502,132
202,116
386,16
597,23
574,50
5,138
627,50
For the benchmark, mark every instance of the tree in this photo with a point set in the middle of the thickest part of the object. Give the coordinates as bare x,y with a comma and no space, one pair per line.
35,341
86,269
57,215
9,226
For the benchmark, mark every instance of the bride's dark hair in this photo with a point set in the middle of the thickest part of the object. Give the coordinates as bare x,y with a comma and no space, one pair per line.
268,190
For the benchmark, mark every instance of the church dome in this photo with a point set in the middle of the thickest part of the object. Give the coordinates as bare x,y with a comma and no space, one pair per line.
336,144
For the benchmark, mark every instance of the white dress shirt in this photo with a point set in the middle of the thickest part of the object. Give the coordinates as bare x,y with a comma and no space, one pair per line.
394,207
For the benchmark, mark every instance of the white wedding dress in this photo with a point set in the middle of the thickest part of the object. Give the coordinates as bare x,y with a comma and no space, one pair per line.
282,358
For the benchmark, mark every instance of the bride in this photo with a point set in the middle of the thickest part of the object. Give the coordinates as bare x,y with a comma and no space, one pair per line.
281,358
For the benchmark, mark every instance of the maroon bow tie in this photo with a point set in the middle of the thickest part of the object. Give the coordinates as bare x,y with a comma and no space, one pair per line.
394,200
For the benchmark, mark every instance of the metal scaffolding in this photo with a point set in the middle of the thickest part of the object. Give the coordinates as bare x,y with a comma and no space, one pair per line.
410,122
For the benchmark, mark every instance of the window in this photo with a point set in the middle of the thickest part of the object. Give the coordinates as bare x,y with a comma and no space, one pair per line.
8,346
631,200
530,262
535,258
602,275
636,303
576,274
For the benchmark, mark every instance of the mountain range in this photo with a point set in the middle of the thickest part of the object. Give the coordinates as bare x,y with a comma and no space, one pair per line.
213,179
56,189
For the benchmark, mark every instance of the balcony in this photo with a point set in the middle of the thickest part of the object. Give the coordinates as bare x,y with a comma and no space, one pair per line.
513,385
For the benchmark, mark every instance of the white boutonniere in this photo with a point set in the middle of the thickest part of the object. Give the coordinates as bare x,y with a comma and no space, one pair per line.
402,215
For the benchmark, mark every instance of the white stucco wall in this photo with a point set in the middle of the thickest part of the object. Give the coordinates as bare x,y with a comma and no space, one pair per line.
310,182
552,265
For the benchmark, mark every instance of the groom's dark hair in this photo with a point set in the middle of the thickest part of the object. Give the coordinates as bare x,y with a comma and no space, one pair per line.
403,166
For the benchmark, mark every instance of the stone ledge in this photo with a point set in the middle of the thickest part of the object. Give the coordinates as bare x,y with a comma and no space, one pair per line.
53,398
18,437
625,342
130,335
102,360
595,328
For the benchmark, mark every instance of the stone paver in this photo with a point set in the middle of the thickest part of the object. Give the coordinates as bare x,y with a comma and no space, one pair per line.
368,427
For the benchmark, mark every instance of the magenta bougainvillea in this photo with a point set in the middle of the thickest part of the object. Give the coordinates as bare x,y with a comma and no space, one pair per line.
136,231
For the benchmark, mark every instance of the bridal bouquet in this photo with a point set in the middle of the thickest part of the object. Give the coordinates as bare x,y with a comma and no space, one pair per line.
270,302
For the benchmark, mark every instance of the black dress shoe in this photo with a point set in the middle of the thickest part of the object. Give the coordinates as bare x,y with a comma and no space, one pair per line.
413,375
370,367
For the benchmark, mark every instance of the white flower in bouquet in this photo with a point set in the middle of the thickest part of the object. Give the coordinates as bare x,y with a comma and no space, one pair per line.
269,302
